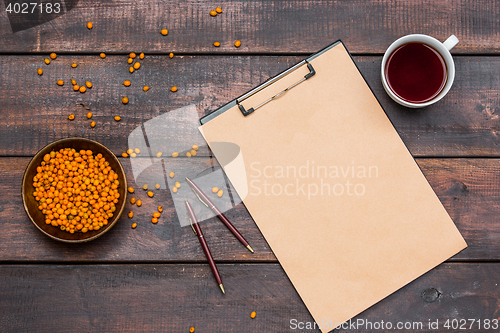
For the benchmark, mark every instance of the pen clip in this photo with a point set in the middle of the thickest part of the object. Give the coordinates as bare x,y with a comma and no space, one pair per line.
203,202
191,222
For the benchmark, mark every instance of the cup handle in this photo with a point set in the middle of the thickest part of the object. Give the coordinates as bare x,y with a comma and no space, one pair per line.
450,42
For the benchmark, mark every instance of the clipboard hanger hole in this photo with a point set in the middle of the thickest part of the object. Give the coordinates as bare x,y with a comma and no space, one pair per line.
246,112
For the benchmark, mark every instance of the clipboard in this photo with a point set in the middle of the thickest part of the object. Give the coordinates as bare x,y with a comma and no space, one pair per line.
332,187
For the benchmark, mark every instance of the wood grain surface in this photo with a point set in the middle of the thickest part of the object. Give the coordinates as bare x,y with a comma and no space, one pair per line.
468,188
302,26
465,123
172,298
155,278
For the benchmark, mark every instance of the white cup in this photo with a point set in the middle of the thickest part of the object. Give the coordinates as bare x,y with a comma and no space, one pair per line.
442,48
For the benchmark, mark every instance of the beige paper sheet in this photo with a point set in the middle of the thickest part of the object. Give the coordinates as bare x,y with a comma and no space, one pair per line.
346,251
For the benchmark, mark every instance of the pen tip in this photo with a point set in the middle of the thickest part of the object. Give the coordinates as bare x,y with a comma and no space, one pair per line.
188,179
222,288
250,248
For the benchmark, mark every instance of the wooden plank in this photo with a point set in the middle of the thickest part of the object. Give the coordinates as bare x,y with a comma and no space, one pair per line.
468,188
262,26
465,123
172,298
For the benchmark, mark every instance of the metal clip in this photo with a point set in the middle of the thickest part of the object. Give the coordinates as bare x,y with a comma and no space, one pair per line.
203,202
192,225
245,112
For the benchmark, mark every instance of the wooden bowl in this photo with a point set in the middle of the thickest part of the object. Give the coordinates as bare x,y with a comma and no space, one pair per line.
31,205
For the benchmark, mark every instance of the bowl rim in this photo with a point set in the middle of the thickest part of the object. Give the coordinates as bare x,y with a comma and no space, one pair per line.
32,161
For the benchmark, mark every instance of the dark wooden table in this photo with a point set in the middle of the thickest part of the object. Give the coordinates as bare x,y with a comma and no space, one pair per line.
155,277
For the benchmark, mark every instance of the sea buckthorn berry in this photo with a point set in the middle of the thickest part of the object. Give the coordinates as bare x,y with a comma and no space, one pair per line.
83,89
137,65
156,214
213,13
126,83
125,100
47,61
124,155
53,56
89,25
71,117
132,200
216,44
150,194
171,174
215,189
160,209
253,314
92,124
237,43
220,193
132,55
89,115
117,118
141,56
158,154
130,214
102,55
74,65
154,220
164,32
39,71
88,84
134,225
173,89
130,190
218,10
95,189
60,82
139,203
171,55
146,88
175,154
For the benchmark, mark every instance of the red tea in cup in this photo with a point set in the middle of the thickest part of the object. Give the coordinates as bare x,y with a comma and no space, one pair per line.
416,72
